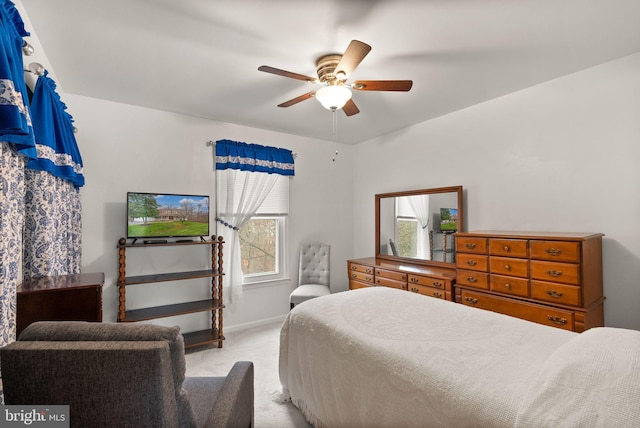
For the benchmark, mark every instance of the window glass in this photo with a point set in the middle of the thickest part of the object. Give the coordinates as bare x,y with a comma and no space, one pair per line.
408,237
259,246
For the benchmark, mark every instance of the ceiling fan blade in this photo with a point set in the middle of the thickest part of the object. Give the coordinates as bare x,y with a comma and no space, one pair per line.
383,85
296,100
350,108
285,73
355,53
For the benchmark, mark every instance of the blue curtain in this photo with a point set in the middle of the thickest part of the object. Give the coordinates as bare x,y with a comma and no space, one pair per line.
56,144
253,157
15,121
53,209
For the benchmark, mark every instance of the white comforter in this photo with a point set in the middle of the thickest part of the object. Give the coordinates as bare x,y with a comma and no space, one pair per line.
381,357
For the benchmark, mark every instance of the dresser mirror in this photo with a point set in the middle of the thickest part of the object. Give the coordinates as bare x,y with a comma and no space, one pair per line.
417,226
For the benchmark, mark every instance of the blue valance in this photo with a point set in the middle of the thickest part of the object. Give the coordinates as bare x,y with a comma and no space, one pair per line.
15,122
253,157
53,128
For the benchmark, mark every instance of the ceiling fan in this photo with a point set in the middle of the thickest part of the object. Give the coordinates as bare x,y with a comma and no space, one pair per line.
333,71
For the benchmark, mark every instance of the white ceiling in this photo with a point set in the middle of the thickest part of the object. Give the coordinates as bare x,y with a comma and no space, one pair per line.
200,57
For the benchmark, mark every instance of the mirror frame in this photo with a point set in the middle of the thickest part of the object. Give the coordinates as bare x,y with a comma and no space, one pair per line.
451,189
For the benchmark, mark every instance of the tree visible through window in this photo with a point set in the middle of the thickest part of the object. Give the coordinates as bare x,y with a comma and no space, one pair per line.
408,237
259,246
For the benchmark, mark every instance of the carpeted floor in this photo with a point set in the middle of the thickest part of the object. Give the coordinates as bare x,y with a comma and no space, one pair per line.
260,345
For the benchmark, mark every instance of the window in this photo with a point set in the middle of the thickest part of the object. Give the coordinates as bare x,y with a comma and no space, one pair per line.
407,237
262,239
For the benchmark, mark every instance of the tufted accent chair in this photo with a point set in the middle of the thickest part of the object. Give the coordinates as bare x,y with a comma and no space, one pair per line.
313,274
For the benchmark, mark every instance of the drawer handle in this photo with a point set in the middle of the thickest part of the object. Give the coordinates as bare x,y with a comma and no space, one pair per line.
354,276
553,251
555,273
436,294
472,262
507,267
471,300
507,285
437,284
368,278
554,293
368,270
472,279
557,320
506,248
415,290
470,245
414,280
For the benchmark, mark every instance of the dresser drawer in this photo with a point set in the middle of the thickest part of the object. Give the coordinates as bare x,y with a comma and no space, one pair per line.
354,267
427,281
386,282
515,308
565,273
466,244
353,285
509,266
473,279
509,285
390,274
508,247
360,276
557,293
556,250
427,291
472,262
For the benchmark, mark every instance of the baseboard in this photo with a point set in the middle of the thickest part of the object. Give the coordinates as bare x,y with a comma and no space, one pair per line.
252,324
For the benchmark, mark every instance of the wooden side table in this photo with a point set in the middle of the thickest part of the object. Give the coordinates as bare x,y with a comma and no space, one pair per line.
75,297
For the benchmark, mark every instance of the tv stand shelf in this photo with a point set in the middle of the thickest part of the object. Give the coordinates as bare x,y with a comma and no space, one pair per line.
174,276
197,338
170,310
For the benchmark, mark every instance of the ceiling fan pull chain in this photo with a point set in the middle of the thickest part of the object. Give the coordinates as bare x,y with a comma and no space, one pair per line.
334,114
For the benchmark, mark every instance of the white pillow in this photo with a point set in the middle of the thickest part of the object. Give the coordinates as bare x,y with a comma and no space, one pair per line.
591,381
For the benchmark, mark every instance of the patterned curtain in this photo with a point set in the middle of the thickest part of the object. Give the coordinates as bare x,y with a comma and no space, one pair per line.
53,223
11,222
54,176
245,174
53,226
16,143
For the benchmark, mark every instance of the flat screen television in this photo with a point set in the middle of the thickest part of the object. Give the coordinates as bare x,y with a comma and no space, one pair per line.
166,215
448,219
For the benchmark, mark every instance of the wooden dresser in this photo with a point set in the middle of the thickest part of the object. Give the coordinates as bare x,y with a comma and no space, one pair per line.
549,278
427,280
75,297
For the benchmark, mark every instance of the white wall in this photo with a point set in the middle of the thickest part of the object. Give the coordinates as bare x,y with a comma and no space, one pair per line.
128,148
560,156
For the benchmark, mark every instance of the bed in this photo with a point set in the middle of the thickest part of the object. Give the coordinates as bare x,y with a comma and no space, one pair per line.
381,357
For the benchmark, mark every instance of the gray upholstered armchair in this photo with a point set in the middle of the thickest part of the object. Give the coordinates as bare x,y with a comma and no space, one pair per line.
116,375
313,273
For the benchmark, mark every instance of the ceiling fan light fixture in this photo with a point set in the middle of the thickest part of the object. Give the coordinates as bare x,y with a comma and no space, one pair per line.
333,97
